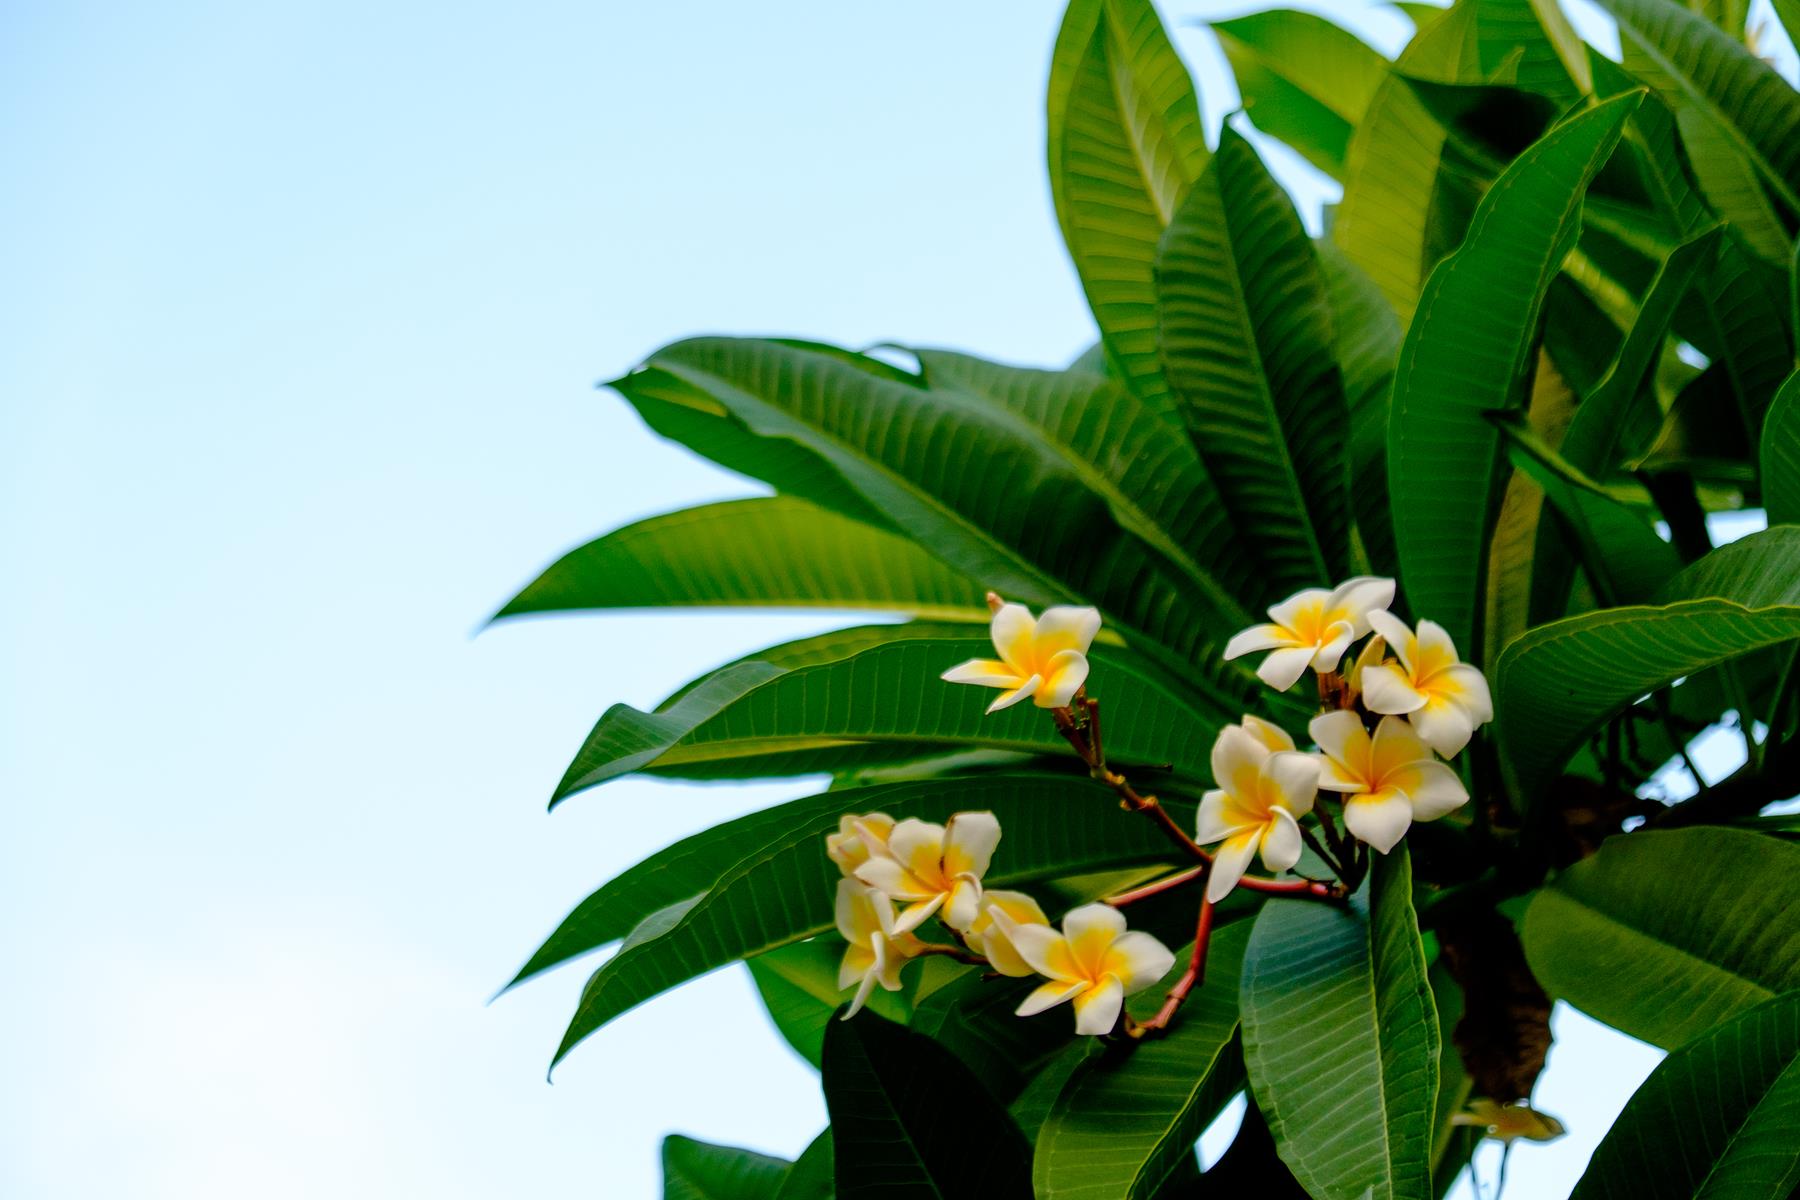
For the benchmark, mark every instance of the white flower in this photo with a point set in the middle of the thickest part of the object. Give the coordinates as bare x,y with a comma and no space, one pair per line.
1092,961
989,937
1446,699
877,951
928,867
1387,781
858,839
1312,628
1044,660
1264,788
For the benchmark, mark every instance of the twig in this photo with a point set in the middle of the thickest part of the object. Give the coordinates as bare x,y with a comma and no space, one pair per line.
955,952
1190,978
1167,884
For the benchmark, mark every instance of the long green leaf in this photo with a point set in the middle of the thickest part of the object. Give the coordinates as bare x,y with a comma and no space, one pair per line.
1665,934
1780,454
798,986
1125,144
774,552
1302,79
1730,183
832,704
1718,1118
694,1170
1341,1039
1469,352
1125,1119
1689,59
780,890
1245,333
909,1120
1368,337
811,1177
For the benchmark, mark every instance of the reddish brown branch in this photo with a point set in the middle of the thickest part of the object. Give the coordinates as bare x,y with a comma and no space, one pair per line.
1190,979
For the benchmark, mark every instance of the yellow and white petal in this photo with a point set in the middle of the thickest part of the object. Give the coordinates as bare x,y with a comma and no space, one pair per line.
1237,761
1064,673
1216,820
1468,687
1065,627
918,846
1294,779
1014,632
894,956
858,839
1344,741
1257,637
1230,862
1097,1009
987,672
1335,777
969,841
1386,689
1379,818
858,962
869,979
856,920
1434,790
1018,906
1024,691
1300,611
915,915
1091,930
1268,733
1395,744
1369,656
1357,597
1052,994
990,935
1282,669
1433,650
1137,960
1394,632
1281,841
891,879
1044,948
1338,637
964,903
1444,724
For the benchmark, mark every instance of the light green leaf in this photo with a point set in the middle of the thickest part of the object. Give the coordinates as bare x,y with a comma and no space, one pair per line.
1126,1118
1536,41
909,1120
1469,353
780,890
1730,183
1302,79
1780,454
1341,1039
1718,1118
1665,934
810,1178
1690,60
829,702
774,552
1125,144
1246,337
798,985
695,1170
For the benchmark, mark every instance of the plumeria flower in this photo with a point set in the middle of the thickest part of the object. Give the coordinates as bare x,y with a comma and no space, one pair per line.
1445,698
858,839
1045,659
877,950
1091,961
1509,1122
1387,781
989,937
1312,628
1265,787
929,867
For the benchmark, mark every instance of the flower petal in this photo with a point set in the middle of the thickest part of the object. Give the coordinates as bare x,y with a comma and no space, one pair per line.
1292,612
1295,778
1042,946
1090,930
858,962
1257,637
1386,689
969,841
1281,841
1237,759
1268,733
963,904
915,915
1435,649
1138,960
1064,674
1230,863
1444,724
1341,736
987,672
1052,994
1468,687
1379,818
1435,790
918,846
1023,692
1065,627
892,879
1394,632
1097,1009
1331,651
1395,745
1356,598
1017,905
1214,822
1013,630
1283,668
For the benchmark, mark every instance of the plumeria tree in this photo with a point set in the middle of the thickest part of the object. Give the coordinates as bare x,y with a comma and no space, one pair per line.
1377,617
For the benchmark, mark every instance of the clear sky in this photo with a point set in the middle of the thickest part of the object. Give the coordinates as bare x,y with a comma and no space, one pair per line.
303,305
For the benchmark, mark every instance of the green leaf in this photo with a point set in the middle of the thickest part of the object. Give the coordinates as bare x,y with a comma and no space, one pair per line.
1155,484
908,1119
829,701
774,552
1302,79
1246,338
1781,454
701,1171
1367,337
1535,41
811,1177
1125,144
1665,934
1730,183
1127,1117
798,985
1690,60
1469,352
1719,1117
780,889
1341,1039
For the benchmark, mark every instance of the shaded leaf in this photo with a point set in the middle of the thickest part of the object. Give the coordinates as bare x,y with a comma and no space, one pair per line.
1780,454
798,985
812,1176
694,1170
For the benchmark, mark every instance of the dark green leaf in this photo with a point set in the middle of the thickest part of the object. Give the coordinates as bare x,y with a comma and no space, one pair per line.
1367,336
701,1171
798,985
1781,454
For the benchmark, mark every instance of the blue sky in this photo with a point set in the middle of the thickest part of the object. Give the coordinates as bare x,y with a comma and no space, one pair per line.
304,306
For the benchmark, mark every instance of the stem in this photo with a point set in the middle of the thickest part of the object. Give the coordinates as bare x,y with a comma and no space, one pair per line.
1168,884
956,952
1330,859
1190,978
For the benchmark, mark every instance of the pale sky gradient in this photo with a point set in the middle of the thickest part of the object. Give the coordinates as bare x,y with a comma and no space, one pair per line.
303,308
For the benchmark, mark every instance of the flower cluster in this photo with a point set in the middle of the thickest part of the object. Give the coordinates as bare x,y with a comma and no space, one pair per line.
929,870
